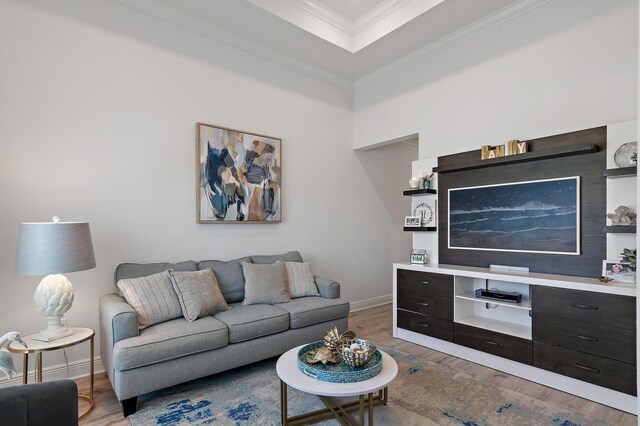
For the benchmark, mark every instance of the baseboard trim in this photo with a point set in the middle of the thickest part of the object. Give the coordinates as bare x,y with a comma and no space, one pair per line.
74,370
370,303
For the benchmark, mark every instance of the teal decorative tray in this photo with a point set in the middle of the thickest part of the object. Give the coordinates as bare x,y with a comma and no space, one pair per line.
337,373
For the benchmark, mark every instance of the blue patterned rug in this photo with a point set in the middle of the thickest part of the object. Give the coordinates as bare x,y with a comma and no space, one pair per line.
424,393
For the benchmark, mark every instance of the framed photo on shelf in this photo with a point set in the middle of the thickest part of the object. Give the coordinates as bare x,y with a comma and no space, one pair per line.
618,271
412,221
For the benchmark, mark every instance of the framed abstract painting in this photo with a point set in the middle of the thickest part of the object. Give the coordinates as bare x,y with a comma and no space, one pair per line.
239,176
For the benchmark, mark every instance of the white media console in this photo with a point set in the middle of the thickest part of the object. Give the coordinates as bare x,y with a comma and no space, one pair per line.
570,333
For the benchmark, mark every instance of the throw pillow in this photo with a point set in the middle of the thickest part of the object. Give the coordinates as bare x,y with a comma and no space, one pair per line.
152,297
198,293
300,280
265,284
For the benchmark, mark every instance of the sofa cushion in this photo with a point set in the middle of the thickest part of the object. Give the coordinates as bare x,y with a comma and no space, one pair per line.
169,340
300,280
152,297
198,293
306,311
135,270
246,322
292,256
229,276
265,283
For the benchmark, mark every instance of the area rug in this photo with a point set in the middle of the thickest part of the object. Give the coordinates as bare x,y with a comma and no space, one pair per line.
424,393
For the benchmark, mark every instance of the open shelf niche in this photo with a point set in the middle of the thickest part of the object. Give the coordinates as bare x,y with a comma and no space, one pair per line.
513,319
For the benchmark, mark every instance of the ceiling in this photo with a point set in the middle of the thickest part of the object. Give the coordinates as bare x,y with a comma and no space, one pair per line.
345,42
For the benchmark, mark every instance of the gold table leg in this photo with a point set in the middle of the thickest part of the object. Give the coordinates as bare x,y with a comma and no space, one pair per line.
339,412
39,367
90,396
284,411
25,368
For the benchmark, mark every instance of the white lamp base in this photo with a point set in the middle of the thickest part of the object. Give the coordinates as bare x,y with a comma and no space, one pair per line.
53,298
54,331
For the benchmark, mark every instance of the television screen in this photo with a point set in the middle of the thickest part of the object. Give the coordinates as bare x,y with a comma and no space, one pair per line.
541,216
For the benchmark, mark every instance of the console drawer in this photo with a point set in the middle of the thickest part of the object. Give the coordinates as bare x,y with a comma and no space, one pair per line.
424,283
425,324
493,343
585,306
610,342
441,307
600,371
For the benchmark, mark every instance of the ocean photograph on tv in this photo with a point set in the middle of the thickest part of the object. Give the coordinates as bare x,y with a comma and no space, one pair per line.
536,216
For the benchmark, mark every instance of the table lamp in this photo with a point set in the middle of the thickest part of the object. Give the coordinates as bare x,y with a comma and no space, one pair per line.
54,248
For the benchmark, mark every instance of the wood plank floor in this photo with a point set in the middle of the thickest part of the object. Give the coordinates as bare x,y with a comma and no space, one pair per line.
375,324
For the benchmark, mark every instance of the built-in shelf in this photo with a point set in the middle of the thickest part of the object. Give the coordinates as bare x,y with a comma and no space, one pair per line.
419,191
503,327
525,304
558,152
420,229
620,172
620,229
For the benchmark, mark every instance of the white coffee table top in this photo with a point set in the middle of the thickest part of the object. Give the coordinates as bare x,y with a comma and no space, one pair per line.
287,368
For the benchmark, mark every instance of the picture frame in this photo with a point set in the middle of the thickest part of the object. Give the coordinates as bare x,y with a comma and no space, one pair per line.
412,221
618,271
426,210
238,176
419,256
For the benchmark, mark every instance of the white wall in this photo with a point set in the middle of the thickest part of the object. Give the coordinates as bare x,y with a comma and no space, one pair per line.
567,65
98,106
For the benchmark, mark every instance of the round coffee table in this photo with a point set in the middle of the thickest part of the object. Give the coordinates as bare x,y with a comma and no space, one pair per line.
287,369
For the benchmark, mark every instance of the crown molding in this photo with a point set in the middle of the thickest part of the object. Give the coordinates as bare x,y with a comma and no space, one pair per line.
336,19
465,33
203,28
326,14
376,14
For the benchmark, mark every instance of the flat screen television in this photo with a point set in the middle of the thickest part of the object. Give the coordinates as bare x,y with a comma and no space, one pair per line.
538,216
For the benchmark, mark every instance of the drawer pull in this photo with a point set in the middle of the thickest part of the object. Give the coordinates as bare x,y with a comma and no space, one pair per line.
584,367
424,325
590,339
423,304
490,342
582,306
423,282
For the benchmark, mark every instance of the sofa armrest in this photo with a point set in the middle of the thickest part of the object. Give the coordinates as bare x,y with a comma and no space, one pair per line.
118,321
329,289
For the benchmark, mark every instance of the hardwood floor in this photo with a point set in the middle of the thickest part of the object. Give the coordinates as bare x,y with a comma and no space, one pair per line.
375,324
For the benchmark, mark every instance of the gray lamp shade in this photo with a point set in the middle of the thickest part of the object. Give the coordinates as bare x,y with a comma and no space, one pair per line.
54,248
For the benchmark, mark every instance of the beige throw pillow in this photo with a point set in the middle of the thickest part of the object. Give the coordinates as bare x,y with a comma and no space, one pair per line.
300,280
198,293
265,284
152,297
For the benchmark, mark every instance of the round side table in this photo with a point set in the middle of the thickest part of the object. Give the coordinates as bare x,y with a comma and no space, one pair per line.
37,347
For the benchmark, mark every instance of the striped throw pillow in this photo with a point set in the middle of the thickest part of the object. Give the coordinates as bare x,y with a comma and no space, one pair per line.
152,297
300,279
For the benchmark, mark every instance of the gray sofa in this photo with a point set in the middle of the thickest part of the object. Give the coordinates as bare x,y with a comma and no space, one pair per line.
176,351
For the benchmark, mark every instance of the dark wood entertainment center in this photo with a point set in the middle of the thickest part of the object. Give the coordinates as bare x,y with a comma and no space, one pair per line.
570,331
